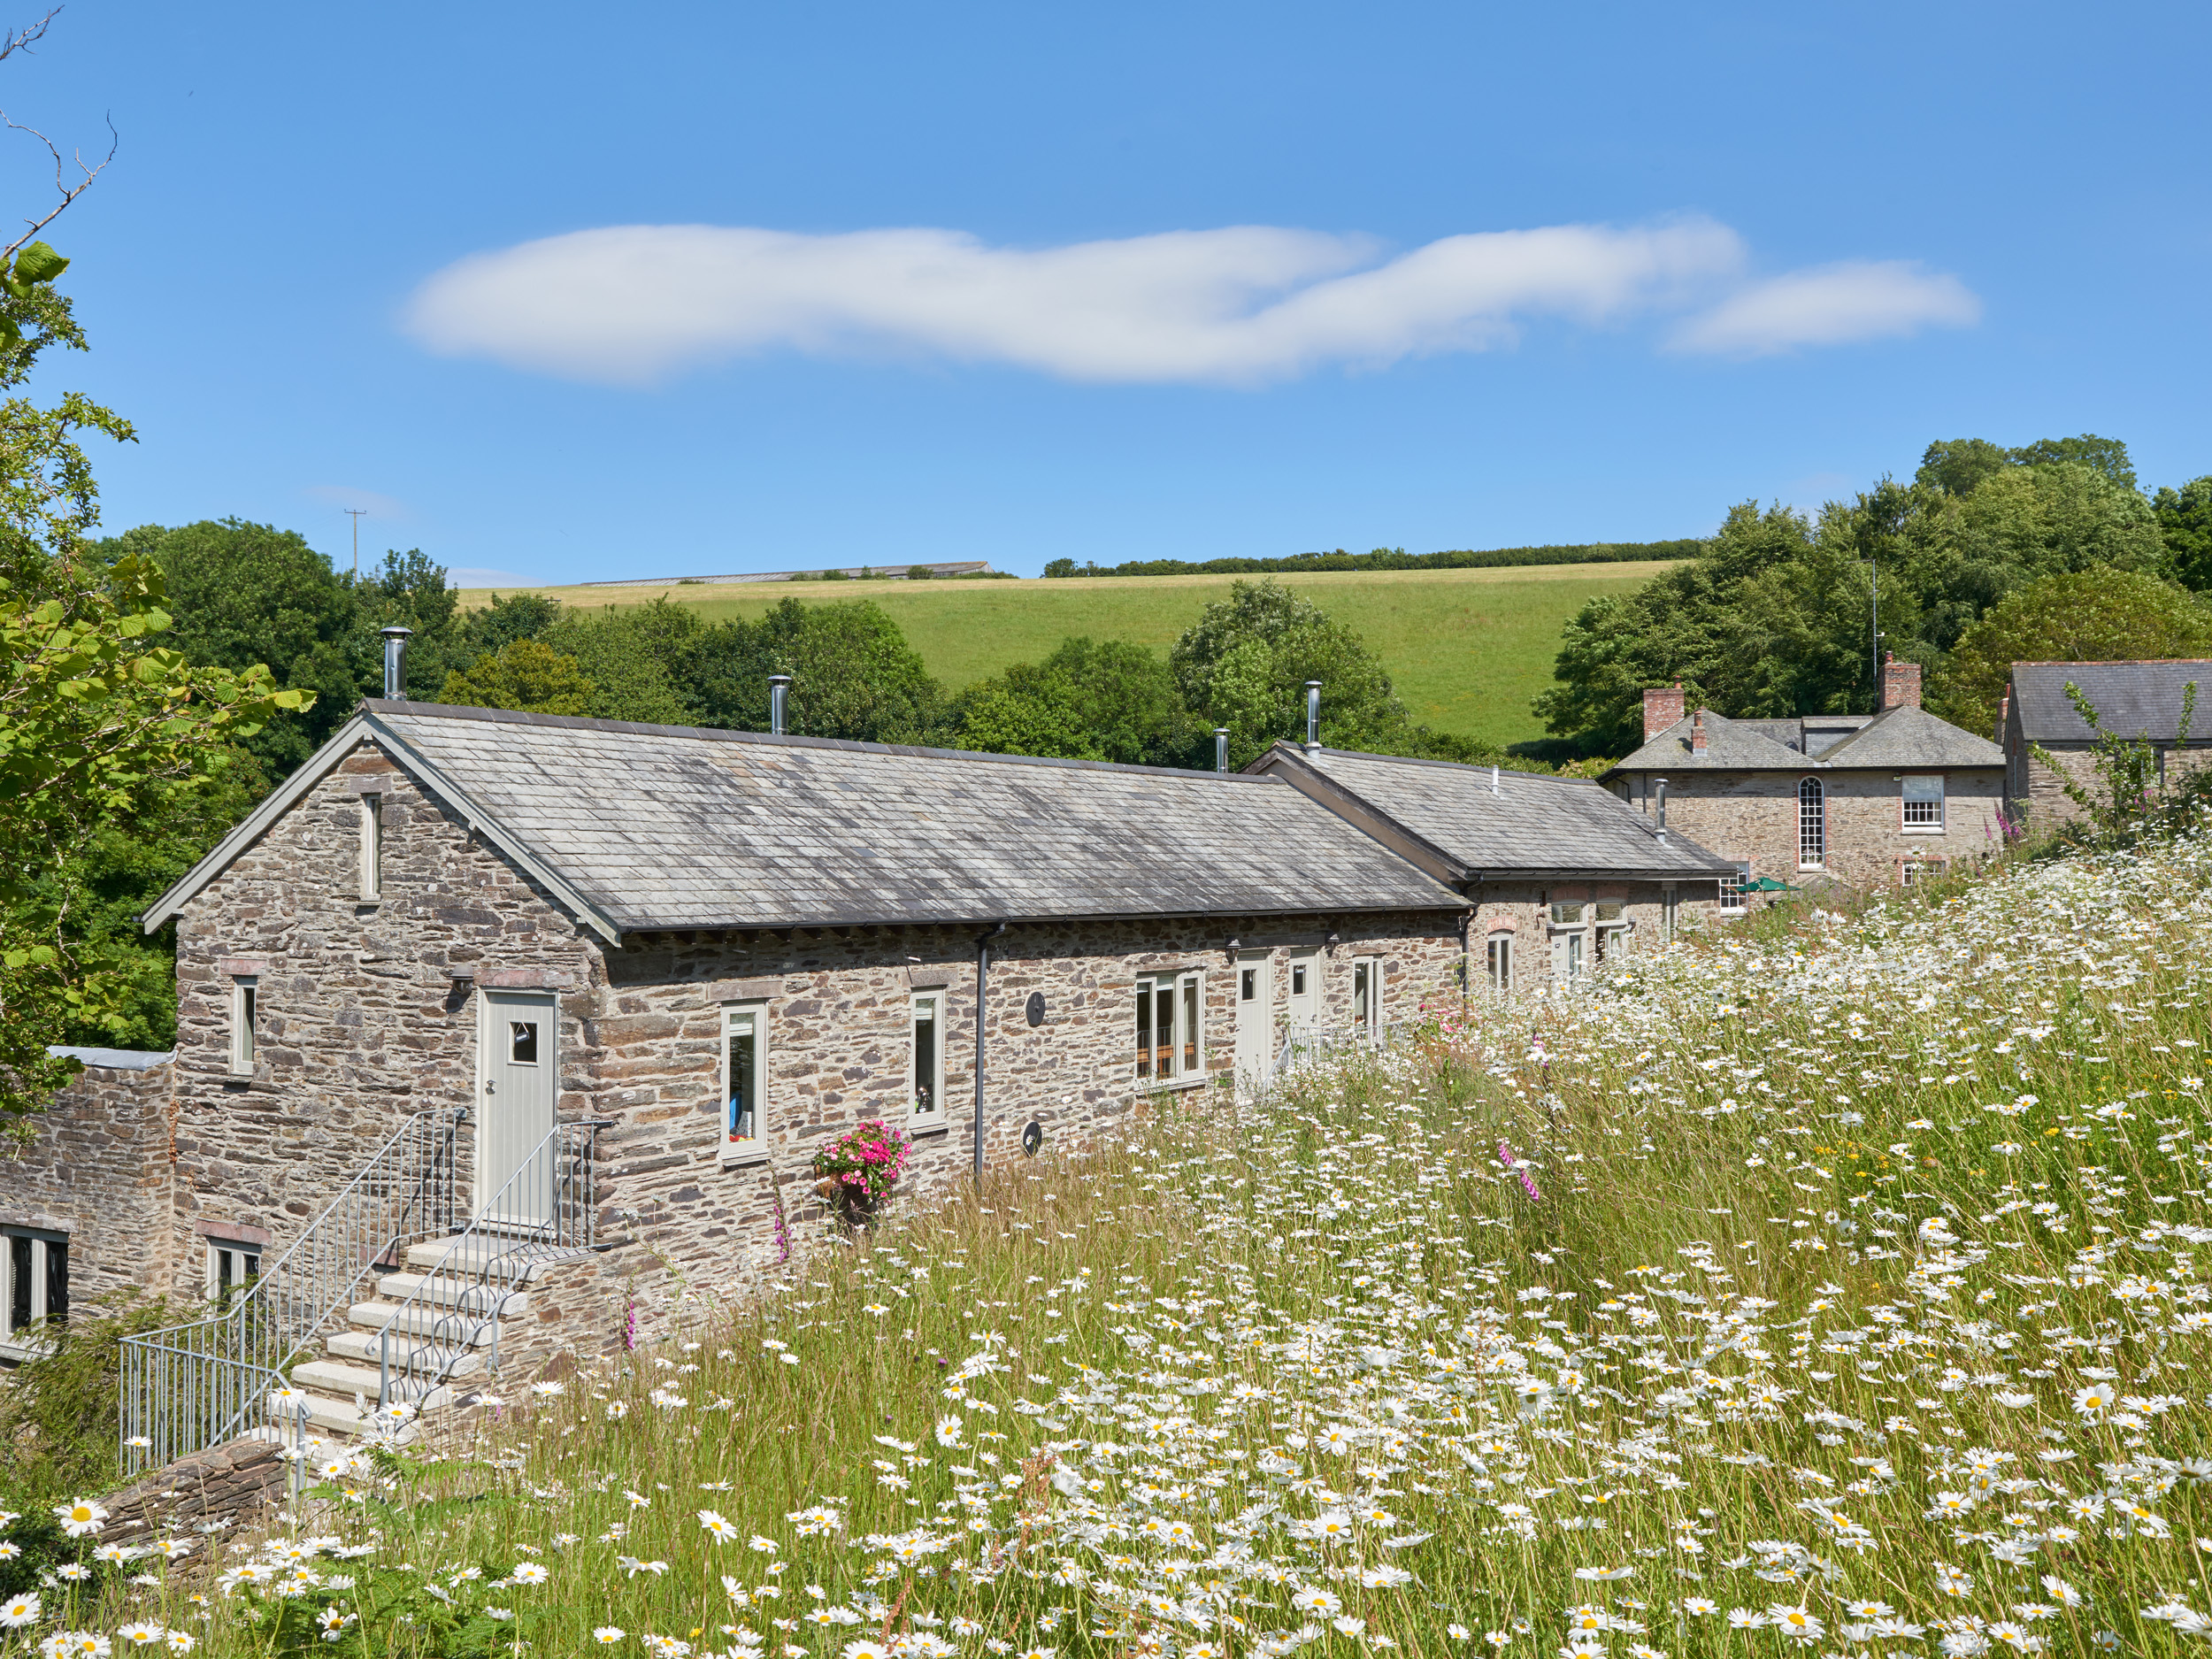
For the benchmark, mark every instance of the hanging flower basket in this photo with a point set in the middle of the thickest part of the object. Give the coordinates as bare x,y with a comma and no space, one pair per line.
859,1168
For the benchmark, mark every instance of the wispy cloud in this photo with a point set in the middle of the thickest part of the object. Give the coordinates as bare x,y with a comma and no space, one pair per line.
1830,305
635,305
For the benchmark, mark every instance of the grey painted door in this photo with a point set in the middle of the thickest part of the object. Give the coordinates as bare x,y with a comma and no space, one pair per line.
517,1049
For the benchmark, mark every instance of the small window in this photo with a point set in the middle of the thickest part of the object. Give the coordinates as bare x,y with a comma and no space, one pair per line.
1924,803
744,1078
1169,1031
245,1000
38,1282
1500,963
1367,996
926,1067
231,1267
522,1041
372,846
1567,913
1732,887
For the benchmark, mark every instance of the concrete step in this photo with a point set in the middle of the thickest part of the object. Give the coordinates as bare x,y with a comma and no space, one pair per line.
493,1254
450,1291
367,1348
342,1381
448,1324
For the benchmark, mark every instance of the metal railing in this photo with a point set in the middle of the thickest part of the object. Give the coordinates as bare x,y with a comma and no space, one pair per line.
190,1387
546,1212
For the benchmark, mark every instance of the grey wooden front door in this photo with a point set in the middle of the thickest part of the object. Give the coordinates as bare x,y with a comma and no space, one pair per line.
517,1049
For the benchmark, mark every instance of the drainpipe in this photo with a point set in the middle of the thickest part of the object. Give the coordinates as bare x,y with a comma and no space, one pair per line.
1221,748
395,640
778,695
1313,716
982,985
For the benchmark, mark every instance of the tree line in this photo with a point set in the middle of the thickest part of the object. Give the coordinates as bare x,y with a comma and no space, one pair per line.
1988,555
1386,558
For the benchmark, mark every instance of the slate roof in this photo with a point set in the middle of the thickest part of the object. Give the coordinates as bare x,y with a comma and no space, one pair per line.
660,827
1535,824
2139,699
1906,736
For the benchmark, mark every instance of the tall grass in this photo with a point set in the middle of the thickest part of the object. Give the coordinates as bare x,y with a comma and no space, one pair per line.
1838,1292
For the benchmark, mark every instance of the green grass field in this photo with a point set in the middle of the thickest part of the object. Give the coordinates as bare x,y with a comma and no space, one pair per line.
1468,648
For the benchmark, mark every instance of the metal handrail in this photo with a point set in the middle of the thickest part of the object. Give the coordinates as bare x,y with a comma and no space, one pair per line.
457,1301
187,1387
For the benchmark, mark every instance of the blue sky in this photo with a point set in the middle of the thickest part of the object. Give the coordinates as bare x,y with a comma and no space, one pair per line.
573,293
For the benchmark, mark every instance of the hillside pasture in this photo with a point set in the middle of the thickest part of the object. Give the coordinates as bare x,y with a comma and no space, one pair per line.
1467,649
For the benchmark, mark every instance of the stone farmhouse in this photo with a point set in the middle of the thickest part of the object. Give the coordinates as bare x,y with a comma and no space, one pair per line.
2137,699
1560,873
1864,800
595,993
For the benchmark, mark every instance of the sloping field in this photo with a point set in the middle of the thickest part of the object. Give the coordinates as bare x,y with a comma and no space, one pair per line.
1468,648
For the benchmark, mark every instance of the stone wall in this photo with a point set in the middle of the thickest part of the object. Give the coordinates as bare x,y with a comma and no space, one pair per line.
98,1170
1754,817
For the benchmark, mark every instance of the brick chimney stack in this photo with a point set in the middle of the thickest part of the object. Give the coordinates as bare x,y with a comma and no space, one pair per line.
1900,684
1697,733
1662,708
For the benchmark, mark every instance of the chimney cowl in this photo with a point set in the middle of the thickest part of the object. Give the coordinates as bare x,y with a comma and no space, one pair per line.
395,640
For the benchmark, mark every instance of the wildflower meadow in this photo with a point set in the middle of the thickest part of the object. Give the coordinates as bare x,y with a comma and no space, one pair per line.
1831,1289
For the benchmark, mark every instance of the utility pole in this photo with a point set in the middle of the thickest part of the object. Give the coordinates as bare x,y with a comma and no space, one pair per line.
356,513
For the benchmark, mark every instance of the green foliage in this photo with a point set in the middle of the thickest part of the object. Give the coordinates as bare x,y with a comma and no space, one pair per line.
1245,663
1090,700
58,1413
1773,619
2094,616
524,673
2185,520
1383,559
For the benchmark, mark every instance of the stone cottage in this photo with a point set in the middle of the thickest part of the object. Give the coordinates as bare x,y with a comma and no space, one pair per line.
607,988
1864,800
1560,875
2140,700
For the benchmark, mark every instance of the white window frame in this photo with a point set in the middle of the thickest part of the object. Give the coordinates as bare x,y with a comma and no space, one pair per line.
751,1148
1812,793
1906,803
1733,900
245,1016
1187,1032
1367,1022
244,1265
22,1339
1497,963
938,999
371,848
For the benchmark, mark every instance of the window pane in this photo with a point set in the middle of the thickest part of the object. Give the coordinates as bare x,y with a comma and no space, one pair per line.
926,1055
1144,1028
522,1041
18,1281
1190,1027
741,1117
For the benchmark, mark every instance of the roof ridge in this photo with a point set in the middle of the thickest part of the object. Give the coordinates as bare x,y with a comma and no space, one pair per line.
388,707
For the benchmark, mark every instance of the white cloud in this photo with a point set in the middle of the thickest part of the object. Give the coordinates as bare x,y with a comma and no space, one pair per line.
468,576
1830,305
635,305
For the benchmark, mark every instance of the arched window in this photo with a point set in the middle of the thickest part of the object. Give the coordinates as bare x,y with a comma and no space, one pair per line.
1812,823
